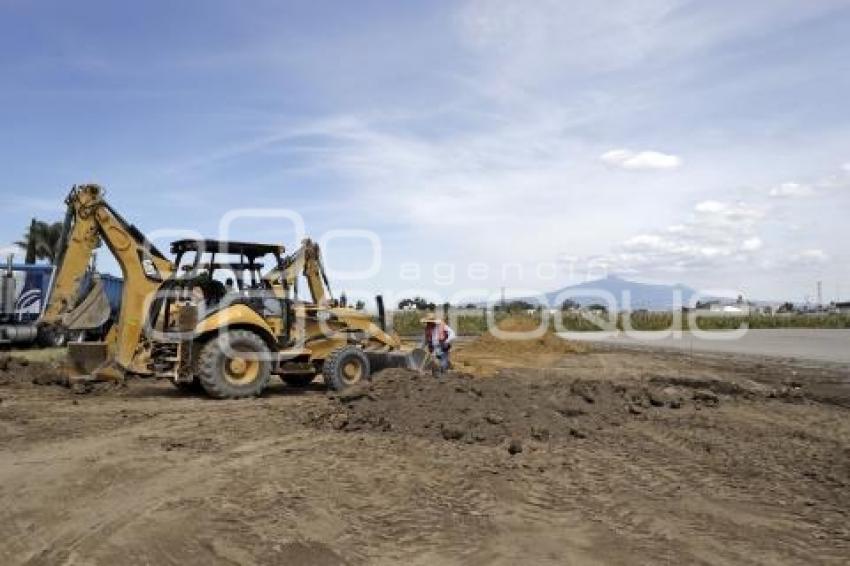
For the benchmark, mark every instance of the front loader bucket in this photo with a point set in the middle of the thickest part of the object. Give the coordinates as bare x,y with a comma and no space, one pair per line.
419,360
89,361
416,359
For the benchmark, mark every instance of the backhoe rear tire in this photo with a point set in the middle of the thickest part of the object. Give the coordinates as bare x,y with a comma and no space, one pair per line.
224,374
345,367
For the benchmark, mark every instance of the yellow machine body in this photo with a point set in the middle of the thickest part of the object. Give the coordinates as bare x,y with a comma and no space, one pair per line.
165,337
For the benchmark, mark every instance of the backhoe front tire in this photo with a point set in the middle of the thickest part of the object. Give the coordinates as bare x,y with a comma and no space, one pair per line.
224,374
345,367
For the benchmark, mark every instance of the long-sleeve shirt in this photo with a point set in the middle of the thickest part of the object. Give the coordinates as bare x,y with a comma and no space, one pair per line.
441,329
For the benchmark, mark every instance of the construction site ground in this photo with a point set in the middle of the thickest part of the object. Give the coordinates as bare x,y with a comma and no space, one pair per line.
543,453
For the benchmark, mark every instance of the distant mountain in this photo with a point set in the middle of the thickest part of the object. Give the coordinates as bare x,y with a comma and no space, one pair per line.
642,295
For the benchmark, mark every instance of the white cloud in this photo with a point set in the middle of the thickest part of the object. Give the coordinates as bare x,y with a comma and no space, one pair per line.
846,167
717,234
641,160
537,36
717,212
810,257
711,251
537,39
616,156
791,190
710,206
451,186
752,244
646,242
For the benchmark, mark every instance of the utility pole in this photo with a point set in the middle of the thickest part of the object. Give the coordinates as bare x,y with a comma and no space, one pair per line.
820,293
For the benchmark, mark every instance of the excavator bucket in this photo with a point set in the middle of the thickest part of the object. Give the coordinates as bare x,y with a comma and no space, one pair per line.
86,357
416,359
90,361
92,312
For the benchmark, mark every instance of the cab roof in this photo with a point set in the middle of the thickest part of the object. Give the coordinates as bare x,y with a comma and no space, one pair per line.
236,266
248,249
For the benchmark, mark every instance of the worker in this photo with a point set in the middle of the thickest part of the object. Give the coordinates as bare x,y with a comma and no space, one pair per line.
438,339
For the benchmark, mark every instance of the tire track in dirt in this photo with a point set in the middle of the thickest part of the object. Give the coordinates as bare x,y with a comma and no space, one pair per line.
712,506
88,526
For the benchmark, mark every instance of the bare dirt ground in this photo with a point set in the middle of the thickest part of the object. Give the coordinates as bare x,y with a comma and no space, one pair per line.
595,457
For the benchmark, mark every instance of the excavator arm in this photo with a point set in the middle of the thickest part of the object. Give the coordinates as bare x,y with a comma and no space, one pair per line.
89,221
306,261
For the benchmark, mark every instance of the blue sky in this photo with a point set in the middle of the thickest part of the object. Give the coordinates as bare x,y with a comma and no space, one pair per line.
701,142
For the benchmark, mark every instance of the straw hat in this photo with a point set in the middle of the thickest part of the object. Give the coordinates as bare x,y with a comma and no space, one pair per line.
430,318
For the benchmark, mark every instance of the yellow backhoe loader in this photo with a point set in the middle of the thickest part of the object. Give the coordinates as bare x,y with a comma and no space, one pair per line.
179,321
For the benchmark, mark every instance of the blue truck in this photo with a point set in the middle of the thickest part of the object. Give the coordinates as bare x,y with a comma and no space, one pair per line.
23,289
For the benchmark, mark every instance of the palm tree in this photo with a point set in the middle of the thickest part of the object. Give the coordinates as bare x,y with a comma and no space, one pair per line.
42,241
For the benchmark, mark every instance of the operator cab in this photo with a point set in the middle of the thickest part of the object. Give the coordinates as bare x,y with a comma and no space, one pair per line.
238,271
211,275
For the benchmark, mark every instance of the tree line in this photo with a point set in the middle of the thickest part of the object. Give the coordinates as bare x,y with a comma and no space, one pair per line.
42,240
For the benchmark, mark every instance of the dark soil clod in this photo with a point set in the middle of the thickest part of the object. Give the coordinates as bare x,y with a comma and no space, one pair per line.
514,446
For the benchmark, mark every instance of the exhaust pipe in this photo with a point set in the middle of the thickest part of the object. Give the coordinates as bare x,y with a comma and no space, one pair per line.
382,313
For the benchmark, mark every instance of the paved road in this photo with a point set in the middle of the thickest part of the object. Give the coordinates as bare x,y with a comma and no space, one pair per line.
803,343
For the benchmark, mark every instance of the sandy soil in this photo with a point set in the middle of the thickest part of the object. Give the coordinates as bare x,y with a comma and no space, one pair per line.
601,457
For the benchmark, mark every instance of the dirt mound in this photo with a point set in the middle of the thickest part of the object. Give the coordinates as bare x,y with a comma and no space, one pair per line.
488,353
511,408
549,343
16,370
